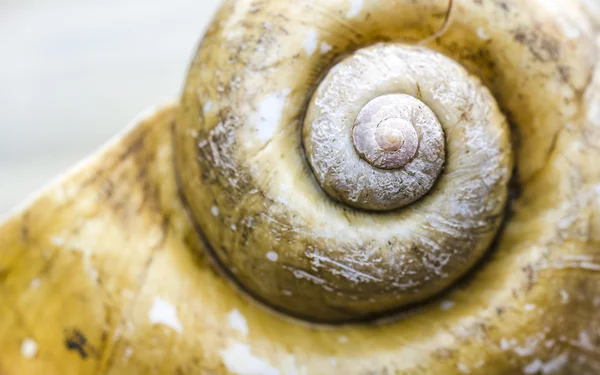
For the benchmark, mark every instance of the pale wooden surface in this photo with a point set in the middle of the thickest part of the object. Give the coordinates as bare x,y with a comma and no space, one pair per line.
74,73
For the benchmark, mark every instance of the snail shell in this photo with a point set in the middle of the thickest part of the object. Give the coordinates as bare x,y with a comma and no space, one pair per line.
302,241
430,163
397,185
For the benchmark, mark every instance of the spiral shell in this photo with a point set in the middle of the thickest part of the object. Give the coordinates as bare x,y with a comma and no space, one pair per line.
481,116
307,215
388,82
290,234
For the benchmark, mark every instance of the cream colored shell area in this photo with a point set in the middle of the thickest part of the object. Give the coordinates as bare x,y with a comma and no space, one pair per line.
262,52
97,250
477,137
270,187
451,227
100,250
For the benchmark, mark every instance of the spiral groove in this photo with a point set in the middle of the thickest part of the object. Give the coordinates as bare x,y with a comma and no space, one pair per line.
438,176
392,81
386,140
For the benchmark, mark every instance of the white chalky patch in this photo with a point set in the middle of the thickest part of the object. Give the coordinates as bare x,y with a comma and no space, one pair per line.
585,341
505,344
355,8
86,255
447,305
128,352
272,256
269,114
555,365
207,107
527,349
162,312
236,15
533,367
551,367
93,273
214,211
482,34
529,307
342,339
237,321
118,331
325,47
564,296
311,42
589,266
567,18
57,240
239,360
463,368
29,348
35,283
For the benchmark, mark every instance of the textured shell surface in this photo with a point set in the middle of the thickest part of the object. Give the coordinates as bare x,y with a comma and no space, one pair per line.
344,187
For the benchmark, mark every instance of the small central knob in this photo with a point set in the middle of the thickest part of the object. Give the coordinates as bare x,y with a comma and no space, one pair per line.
383,133
388,135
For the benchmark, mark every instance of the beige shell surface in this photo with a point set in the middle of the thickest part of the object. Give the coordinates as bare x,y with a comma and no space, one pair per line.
243,158
376,84
103,272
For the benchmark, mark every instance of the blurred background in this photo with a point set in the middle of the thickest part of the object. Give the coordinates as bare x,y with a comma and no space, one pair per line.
74,73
